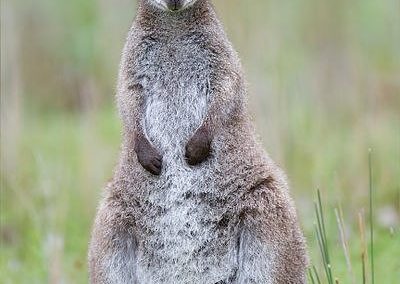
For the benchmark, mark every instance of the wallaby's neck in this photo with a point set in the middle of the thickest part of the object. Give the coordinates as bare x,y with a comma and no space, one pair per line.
152,19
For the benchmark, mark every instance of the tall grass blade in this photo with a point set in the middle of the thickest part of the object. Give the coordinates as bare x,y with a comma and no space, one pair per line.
361,226
343,238
371,216
316,275
364,273
323,225
321,248
322,239
310,275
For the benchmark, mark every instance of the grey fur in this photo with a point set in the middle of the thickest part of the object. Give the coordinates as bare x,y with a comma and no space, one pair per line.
227,220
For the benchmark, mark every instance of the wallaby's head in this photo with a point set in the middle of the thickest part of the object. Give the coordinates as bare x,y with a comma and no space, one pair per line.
172,5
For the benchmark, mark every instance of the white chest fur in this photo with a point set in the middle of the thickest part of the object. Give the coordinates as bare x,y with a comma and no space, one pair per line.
172,118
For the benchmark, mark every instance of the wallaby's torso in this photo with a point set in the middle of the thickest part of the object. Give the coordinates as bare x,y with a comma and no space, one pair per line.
175,75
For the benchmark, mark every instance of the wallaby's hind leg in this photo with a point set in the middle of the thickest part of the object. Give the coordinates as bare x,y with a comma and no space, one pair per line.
112,251
271,248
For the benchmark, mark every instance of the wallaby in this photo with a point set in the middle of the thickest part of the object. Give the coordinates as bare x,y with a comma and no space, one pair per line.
194,198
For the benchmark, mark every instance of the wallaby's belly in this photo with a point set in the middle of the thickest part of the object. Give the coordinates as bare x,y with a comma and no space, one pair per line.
182,233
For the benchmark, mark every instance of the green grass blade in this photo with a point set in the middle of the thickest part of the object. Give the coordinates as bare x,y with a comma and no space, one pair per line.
371,216
316,275
320,245
322,239
343,239
310,276
323,226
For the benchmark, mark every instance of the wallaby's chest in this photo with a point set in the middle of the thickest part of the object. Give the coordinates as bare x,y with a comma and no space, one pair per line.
175,79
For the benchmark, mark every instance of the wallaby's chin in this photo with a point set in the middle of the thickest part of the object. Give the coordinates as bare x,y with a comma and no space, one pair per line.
172,5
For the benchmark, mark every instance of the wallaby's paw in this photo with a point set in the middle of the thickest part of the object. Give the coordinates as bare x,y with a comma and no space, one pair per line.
148,156
198,148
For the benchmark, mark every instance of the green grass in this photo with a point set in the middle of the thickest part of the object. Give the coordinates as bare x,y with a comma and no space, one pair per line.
366,273
49,197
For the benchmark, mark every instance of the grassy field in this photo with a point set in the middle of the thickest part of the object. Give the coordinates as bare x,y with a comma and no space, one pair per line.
324,88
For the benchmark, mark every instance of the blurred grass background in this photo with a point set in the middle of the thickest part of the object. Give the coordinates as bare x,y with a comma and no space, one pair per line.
324,87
